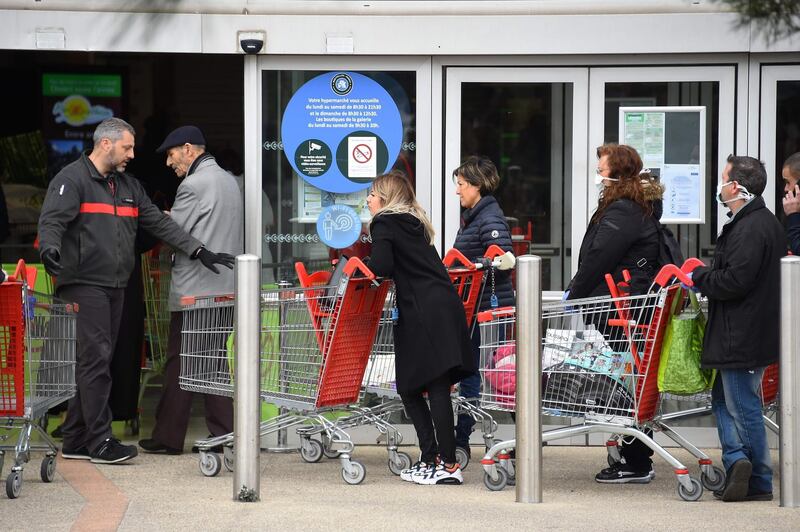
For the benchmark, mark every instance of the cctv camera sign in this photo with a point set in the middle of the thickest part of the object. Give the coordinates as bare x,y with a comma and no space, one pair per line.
340,130
312,158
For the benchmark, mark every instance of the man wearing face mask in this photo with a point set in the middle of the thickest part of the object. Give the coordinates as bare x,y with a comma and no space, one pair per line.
743,290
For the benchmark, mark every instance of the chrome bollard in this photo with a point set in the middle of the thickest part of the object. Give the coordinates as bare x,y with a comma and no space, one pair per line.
789,376
246,395
529,379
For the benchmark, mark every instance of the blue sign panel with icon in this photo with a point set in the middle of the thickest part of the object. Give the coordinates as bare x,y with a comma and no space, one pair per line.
340,131
338,226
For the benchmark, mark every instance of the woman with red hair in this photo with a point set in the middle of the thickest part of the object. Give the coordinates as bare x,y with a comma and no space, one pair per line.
623,234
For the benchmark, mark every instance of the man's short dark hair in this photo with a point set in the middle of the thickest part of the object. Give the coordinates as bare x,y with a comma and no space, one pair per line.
793,164
748,172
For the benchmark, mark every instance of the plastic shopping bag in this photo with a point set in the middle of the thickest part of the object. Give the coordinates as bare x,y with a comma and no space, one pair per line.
679,371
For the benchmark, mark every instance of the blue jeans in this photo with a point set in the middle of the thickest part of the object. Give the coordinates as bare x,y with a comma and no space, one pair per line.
469,388
736,403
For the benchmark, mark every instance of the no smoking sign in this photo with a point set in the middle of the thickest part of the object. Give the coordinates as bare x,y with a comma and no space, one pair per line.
361,162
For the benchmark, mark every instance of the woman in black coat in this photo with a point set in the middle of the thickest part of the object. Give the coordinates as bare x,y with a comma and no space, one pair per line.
482,224
431,340
623,235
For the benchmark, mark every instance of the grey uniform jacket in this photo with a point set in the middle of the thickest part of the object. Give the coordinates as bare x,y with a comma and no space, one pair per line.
208,206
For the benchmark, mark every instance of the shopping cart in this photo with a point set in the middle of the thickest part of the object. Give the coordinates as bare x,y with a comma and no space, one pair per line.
37,370
681,407
600,361
315,343
379,380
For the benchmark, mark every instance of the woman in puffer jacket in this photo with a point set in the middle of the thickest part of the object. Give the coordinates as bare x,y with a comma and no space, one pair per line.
482,224
623,234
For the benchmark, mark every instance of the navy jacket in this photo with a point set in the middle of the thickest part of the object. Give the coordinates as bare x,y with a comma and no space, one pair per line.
743,289
482,226
793,231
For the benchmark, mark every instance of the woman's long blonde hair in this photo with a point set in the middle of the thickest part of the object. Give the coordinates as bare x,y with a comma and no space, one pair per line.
397,195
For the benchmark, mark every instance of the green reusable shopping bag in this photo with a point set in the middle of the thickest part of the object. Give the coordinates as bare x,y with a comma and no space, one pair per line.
679,372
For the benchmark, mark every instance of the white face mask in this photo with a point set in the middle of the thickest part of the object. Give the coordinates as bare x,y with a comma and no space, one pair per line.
744,194
599,182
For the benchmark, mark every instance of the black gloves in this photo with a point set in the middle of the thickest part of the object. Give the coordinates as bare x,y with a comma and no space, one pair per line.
51,259
209,259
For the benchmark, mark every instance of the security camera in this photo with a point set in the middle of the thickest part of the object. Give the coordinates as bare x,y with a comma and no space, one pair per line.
251,42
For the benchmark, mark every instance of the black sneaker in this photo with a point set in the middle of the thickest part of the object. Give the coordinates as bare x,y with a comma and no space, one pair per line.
154,446
617,465
621,473
112,451
737,482
76,454
58,432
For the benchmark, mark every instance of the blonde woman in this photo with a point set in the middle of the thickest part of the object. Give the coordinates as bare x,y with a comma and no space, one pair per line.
432,346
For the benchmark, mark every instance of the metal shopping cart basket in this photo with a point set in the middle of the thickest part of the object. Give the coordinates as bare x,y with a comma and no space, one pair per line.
600,361
37,370
379,379
315,342
681,407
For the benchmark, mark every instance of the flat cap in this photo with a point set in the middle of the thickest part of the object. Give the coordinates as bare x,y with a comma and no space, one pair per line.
181,136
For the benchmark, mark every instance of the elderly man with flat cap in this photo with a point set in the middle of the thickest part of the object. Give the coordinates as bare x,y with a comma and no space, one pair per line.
208,206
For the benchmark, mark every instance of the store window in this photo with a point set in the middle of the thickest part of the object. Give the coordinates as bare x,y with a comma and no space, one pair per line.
291,203
696,240
787,131
525,129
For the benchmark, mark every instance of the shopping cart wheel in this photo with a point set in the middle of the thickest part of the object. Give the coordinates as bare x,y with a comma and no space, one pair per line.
399,462
500,483
713,482
210,464
356,474
48,469
691,495
227,458
326,448
14,484
132,426
462,457
311,451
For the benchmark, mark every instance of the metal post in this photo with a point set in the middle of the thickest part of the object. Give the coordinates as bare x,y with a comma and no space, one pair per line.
246,396
789,380
529,379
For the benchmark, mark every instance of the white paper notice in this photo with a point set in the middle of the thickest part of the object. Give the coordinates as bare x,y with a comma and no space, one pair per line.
682,193
362,157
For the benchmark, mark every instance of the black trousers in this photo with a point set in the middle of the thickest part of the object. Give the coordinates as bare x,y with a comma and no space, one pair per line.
438,417
88,421
637,454
175,405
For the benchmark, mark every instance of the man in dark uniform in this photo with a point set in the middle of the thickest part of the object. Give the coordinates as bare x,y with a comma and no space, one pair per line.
87,233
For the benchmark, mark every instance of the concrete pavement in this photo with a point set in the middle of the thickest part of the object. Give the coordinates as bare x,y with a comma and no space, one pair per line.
156,492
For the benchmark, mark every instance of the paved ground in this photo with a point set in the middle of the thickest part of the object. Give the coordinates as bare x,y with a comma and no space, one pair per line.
156,492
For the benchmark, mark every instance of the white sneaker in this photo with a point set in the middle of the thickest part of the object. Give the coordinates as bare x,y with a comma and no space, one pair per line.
441,475
408,474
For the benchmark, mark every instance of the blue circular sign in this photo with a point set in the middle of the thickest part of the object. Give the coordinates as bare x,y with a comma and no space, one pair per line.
346,116
338,226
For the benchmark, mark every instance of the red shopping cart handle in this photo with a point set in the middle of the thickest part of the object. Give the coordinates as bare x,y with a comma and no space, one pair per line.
690,264
493,314
24,273
454,255
667,272
355,264
494,251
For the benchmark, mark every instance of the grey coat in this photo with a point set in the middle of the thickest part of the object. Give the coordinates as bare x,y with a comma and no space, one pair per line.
208,205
